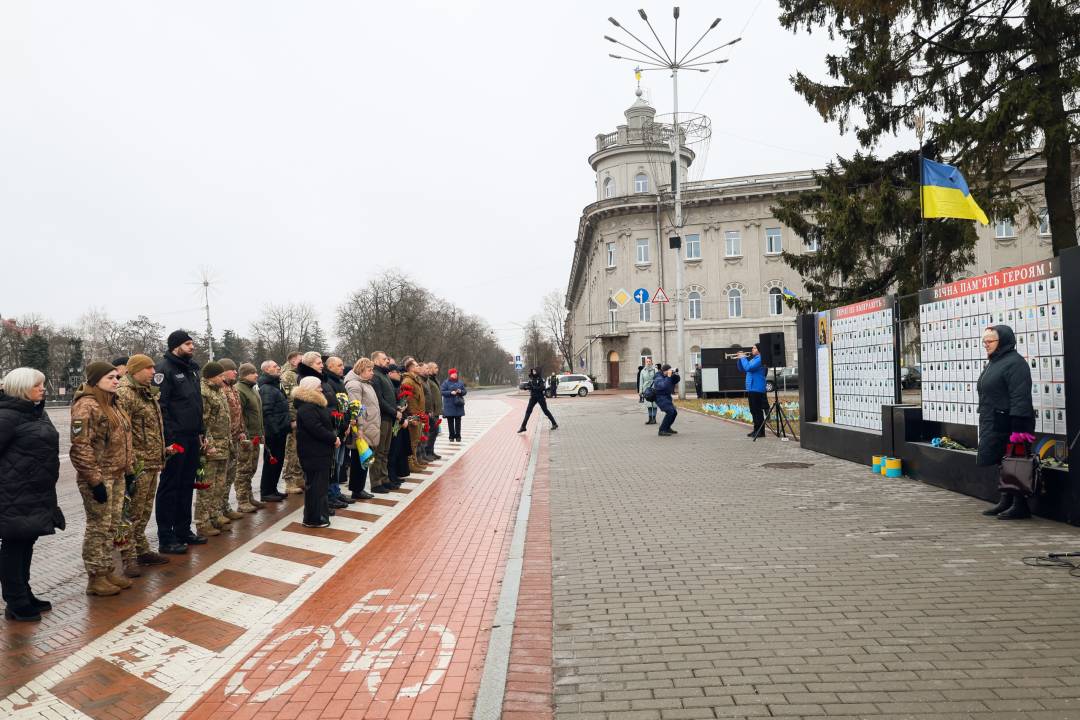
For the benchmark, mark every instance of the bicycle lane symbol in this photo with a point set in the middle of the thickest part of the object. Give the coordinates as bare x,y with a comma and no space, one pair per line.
373,657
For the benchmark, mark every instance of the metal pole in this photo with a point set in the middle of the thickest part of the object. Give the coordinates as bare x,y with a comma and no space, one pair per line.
680,323
920,124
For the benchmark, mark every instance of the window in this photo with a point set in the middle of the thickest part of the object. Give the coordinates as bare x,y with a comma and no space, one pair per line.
776,301
1044,222
646,354
641,183
734,302
812,245
695,357
609,188
773,244
1003,228
613,314
732,244
693,247
642,250
645,312
611,254
694,305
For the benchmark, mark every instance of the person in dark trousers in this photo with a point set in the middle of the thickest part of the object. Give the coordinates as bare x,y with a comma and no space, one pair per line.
389,413
400,444
277,425
1005,408
755,370
664,385
536,397
29,469
316,441
453,392
177,378
697,382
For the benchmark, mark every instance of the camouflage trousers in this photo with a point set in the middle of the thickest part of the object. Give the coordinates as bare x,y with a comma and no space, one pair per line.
246,464
141,505
102,520
291,472
208,500
230,478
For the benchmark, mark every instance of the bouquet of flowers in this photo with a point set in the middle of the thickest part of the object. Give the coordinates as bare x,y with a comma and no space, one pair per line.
403,402
200,474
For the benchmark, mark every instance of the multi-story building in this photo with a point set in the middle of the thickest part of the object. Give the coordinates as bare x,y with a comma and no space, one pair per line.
734,276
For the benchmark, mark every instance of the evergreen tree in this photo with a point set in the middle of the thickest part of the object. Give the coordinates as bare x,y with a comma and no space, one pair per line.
35,353
318,340
75,362
997,77
261,353
233,346
864,219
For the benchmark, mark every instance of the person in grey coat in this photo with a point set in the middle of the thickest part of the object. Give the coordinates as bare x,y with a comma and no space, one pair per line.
645,381
1004,408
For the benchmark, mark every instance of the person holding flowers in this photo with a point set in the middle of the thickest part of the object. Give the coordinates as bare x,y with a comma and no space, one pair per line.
368,422
215,456
138,398
412,391
453,392
102,455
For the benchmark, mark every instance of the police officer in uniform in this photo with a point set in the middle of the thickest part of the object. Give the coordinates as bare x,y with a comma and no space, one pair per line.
177,377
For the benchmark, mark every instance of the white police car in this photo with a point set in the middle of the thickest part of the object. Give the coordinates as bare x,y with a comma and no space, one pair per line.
579,385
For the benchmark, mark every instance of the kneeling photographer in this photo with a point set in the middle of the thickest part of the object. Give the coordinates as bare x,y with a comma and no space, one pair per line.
663,386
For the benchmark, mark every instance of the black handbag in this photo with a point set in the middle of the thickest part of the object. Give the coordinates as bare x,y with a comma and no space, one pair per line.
1020,475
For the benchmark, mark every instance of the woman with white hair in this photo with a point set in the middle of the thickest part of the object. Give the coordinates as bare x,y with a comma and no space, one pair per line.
316,441
29,469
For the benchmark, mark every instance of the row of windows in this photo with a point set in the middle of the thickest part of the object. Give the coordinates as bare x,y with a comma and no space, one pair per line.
695,355
1006,228
774,245
693,306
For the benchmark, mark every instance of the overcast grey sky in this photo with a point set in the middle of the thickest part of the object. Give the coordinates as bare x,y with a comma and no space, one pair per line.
299,148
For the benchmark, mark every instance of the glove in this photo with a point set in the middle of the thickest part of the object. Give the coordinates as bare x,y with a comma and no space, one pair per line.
129,485
101,495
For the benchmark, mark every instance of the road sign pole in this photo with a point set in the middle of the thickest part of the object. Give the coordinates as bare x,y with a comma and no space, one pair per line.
676,182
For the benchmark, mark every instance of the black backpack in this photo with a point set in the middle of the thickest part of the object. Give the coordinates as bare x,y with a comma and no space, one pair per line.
650,392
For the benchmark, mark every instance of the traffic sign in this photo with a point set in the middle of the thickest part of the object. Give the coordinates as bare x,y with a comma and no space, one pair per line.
660,296
641,296
621,297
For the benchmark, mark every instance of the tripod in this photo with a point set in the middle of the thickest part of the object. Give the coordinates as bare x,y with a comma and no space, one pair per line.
777,414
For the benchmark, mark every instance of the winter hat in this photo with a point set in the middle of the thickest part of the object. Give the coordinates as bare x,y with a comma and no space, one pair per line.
212,369
177,338
247,369
310,383
227,364
117,362
136,363
452,372
97,370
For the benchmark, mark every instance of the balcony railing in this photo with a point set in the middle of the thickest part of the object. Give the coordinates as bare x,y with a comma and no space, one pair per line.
611,329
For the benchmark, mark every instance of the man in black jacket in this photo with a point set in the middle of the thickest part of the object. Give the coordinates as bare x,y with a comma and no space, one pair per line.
389,414
276,426
177,377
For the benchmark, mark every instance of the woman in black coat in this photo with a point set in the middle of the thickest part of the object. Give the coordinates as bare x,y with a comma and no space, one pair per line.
1004,408
29,469
316,441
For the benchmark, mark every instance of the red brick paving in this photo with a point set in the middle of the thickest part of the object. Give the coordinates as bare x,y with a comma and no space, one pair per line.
451,544
202,630
29,649
106,692
295,554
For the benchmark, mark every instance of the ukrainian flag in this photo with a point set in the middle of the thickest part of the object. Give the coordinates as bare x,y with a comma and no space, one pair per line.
788,294
945,194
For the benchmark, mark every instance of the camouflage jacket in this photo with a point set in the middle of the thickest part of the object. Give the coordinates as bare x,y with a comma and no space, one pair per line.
216,419
289,380
147,429
98,450
236,413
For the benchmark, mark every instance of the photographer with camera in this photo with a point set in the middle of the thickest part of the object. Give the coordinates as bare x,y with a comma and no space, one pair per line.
755,370
663,386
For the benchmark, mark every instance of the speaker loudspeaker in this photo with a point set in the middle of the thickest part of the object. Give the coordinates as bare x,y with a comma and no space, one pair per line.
773,352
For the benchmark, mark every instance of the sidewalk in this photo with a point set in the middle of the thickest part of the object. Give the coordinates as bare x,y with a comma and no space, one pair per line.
692,580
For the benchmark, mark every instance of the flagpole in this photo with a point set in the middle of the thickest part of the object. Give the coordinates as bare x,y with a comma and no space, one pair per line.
920,125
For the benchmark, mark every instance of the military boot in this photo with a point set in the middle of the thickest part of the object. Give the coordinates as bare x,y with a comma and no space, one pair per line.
234,515
99,585
131,568
222,521
207,530
118,580
257,504
414,465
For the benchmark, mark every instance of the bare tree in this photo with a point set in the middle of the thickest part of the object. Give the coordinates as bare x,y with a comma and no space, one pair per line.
280,327
553,319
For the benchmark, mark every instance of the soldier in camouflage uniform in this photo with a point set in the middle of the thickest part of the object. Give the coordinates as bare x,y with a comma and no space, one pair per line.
138,398
251,406
216,455
238,435
102,455
291,472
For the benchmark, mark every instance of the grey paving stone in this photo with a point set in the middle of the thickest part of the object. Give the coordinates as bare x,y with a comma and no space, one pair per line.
691,582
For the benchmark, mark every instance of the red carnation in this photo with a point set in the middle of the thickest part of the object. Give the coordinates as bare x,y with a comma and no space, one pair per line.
336,415
273,460
177,448
256,440
202,486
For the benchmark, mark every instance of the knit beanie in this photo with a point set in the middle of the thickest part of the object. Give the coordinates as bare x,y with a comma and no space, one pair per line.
212,369
97,370
452,372
117,362
227,364
248,369
136,363
177,338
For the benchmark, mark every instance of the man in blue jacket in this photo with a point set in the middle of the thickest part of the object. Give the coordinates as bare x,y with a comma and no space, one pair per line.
755,388
664,385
